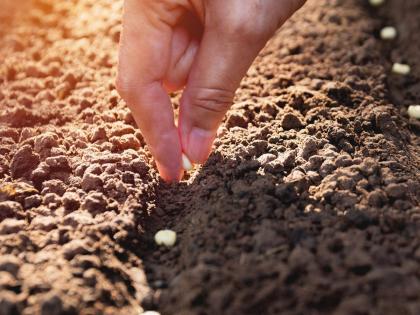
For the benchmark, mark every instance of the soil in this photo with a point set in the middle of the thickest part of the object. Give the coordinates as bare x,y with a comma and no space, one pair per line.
308,205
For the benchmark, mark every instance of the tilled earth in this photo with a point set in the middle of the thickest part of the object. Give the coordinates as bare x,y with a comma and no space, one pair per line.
308,205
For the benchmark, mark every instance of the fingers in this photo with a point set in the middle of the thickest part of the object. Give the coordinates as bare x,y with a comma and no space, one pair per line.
234,33
185,41
143,61
222,61
157,54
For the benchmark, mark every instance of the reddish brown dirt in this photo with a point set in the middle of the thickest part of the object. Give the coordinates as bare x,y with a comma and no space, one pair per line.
308,205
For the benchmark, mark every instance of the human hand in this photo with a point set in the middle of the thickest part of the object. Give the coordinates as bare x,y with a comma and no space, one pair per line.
205,46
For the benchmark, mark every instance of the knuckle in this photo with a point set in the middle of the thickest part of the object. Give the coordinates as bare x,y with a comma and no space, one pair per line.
213,100
248,23
123,85
248,27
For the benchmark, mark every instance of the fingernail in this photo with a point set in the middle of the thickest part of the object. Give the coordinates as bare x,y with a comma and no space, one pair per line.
199,145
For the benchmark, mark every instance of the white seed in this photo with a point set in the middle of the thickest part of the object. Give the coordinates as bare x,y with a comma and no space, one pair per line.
388,33
376,3
150,313
414,111
400,68
186,163
165,238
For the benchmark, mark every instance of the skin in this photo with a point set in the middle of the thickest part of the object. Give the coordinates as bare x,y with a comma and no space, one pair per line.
202,46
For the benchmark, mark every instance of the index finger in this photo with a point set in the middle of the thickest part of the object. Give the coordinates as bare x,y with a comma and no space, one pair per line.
143,59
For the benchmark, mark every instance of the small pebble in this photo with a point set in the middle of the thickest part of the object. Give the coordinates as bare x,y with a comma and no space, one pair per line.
388,33
165,237
376,3
414,111
400,68
186,163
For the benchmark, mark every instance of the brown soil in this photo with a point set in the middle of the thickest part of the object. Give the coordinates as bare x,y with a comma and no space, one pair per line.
308,205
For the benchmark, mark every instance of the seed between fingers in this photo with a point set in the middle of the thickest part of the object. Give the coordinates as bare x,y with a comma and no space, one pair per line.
186,163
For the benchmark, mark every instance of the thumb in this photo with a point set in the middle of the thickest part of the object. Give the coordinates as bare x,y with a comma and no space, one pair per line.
221,62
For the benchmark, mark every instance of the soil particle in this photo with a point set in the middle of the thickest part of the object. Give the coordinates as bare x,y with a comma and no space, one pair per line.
10,226
395,190
45,141
40,174
47,223
74,248
266,158
291,121
377,198
51,200
53,186
8,303
98,133
10,209
127,141
10,264
338,92
91,181
76,219
236,119
309,148
71,201
32,201
359,262
24,162
95,203
300,258
58,163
